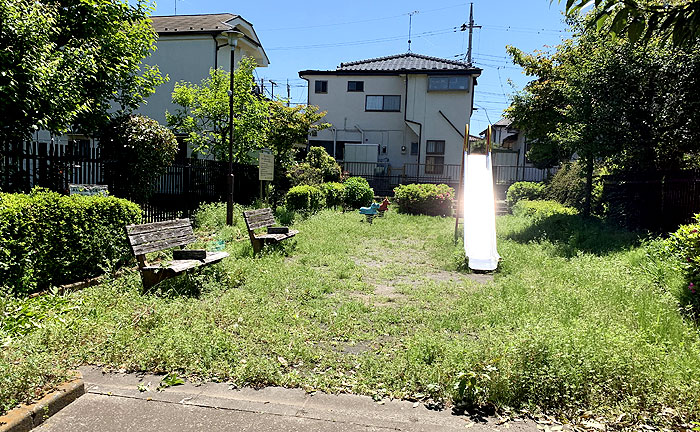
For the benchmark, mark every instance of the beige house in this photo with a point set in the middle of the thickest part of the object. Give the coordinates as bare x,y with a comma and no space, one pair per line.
189,46
409,109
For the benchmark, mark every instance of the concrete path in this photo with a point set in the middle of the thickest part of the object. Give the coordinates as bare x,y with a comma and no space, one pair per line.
113,402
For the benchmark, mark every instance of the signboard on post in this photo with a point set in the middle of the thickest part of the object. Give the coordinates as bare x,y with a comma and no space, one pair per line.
266,166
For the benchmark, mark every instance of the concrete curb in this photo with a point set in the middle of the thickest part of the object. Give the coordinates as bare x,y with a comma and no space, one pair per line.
27,417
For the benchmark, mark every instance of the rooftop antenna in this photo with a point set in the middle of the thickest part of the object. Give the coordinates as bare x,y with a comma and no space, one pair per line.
410,23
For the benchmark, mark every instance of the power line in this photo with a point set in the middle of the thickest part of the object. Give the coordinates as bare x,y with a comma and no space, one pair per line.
361,21
364,42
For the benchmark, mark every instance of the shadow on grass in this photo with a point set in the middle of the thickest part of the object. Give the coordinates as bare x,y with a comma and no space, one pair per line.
571,234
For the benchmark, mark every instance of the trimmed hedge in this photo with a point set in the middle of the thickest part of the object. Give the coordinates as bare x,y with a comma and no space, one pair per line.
524,191
540,209
304,198
357,193
428,199
333,193
49,239
686,242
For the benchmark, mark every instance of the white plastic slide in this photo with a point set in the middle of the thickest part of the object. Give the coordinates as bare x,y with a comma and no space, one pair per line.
479,213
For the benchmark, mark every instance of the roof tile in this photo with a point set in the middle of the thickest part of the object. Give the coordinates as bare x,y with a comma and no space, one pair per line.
192,23
404,62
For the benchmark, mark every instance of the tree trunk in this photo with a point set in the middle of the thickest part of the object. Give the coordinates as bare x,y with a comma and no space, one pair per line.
589,187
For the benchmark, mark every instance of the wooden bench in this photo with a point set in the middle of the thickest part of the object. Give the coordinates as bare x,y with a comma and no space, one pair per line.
159,236
263,218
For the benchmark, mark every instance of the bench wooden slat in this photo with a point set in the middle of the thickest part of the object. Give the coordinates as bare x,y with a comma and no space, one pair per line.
163,244
176,232
277,237
181,266
250,213
261,217
261,224
157,226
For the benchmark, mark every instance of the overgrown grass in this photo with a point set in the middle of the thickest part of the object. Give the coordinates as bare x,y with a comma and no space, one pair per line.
579,317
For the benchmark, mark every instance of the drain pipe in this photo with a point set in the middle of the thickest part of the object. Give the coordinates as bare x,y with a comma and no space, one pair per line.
335,142
362,132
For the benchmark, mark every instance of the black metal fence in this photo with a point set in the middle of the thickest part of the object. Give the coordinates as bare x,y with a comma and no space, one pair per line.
657,201
177,193
384,178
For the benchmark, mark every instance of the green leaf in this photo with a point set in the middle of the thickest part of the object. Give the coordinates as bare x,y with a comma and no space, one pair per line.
635,30
170,380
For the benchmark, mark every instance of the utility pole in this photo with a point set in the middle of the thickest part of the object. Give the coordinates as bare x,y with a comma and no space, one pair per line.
471,27
262,87
273,84
289,92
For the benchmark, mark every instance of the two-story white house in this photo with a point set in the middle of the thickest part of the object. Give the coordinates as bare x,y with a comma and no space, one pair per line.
189,46
410,109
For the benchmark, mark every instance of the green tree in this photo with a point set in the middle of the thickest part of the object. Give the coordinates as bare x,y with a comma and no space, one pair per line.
65,62
290,126
203,115
137,151
645,19
625,105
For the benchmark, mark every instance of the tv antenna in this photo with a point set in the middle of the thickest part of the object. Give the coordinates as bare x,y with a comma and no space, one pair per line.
410,24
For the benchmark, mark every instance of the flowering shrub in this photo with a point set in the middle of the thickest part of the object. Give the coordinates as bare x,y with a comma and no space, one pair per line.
524,191
428,199
357,192
304,198
686,242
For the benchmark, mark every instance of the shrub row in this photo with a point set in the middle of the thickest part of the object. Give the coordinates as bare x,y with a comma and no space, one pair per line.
49,239
540,209
428,199
524,191
355,192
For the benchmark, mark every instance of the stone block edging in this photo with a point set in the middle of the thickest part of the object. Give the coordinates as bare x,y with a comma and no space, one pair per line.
27,417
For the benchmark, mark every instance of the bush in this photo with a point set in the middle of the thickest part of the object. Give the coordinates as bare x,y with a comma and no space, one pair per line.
427,199
357,193
50,239
524,191
568,186
320,159
333,193
686,242
304,174
304,198
140,150
540,209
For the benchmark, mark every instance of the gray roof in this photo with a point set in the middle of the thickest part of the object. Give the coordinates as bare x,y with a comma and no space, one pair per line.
404,62
503,122
192,23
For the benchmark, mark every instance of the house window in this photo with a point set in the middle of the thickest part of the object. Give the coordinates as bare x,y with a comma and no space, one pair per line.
414,148
383,103
444,82
434,157
321,86
356,86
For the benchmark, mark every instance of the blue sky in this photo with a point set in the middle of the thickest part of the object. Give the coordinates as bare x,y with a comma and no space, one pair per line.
321,34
